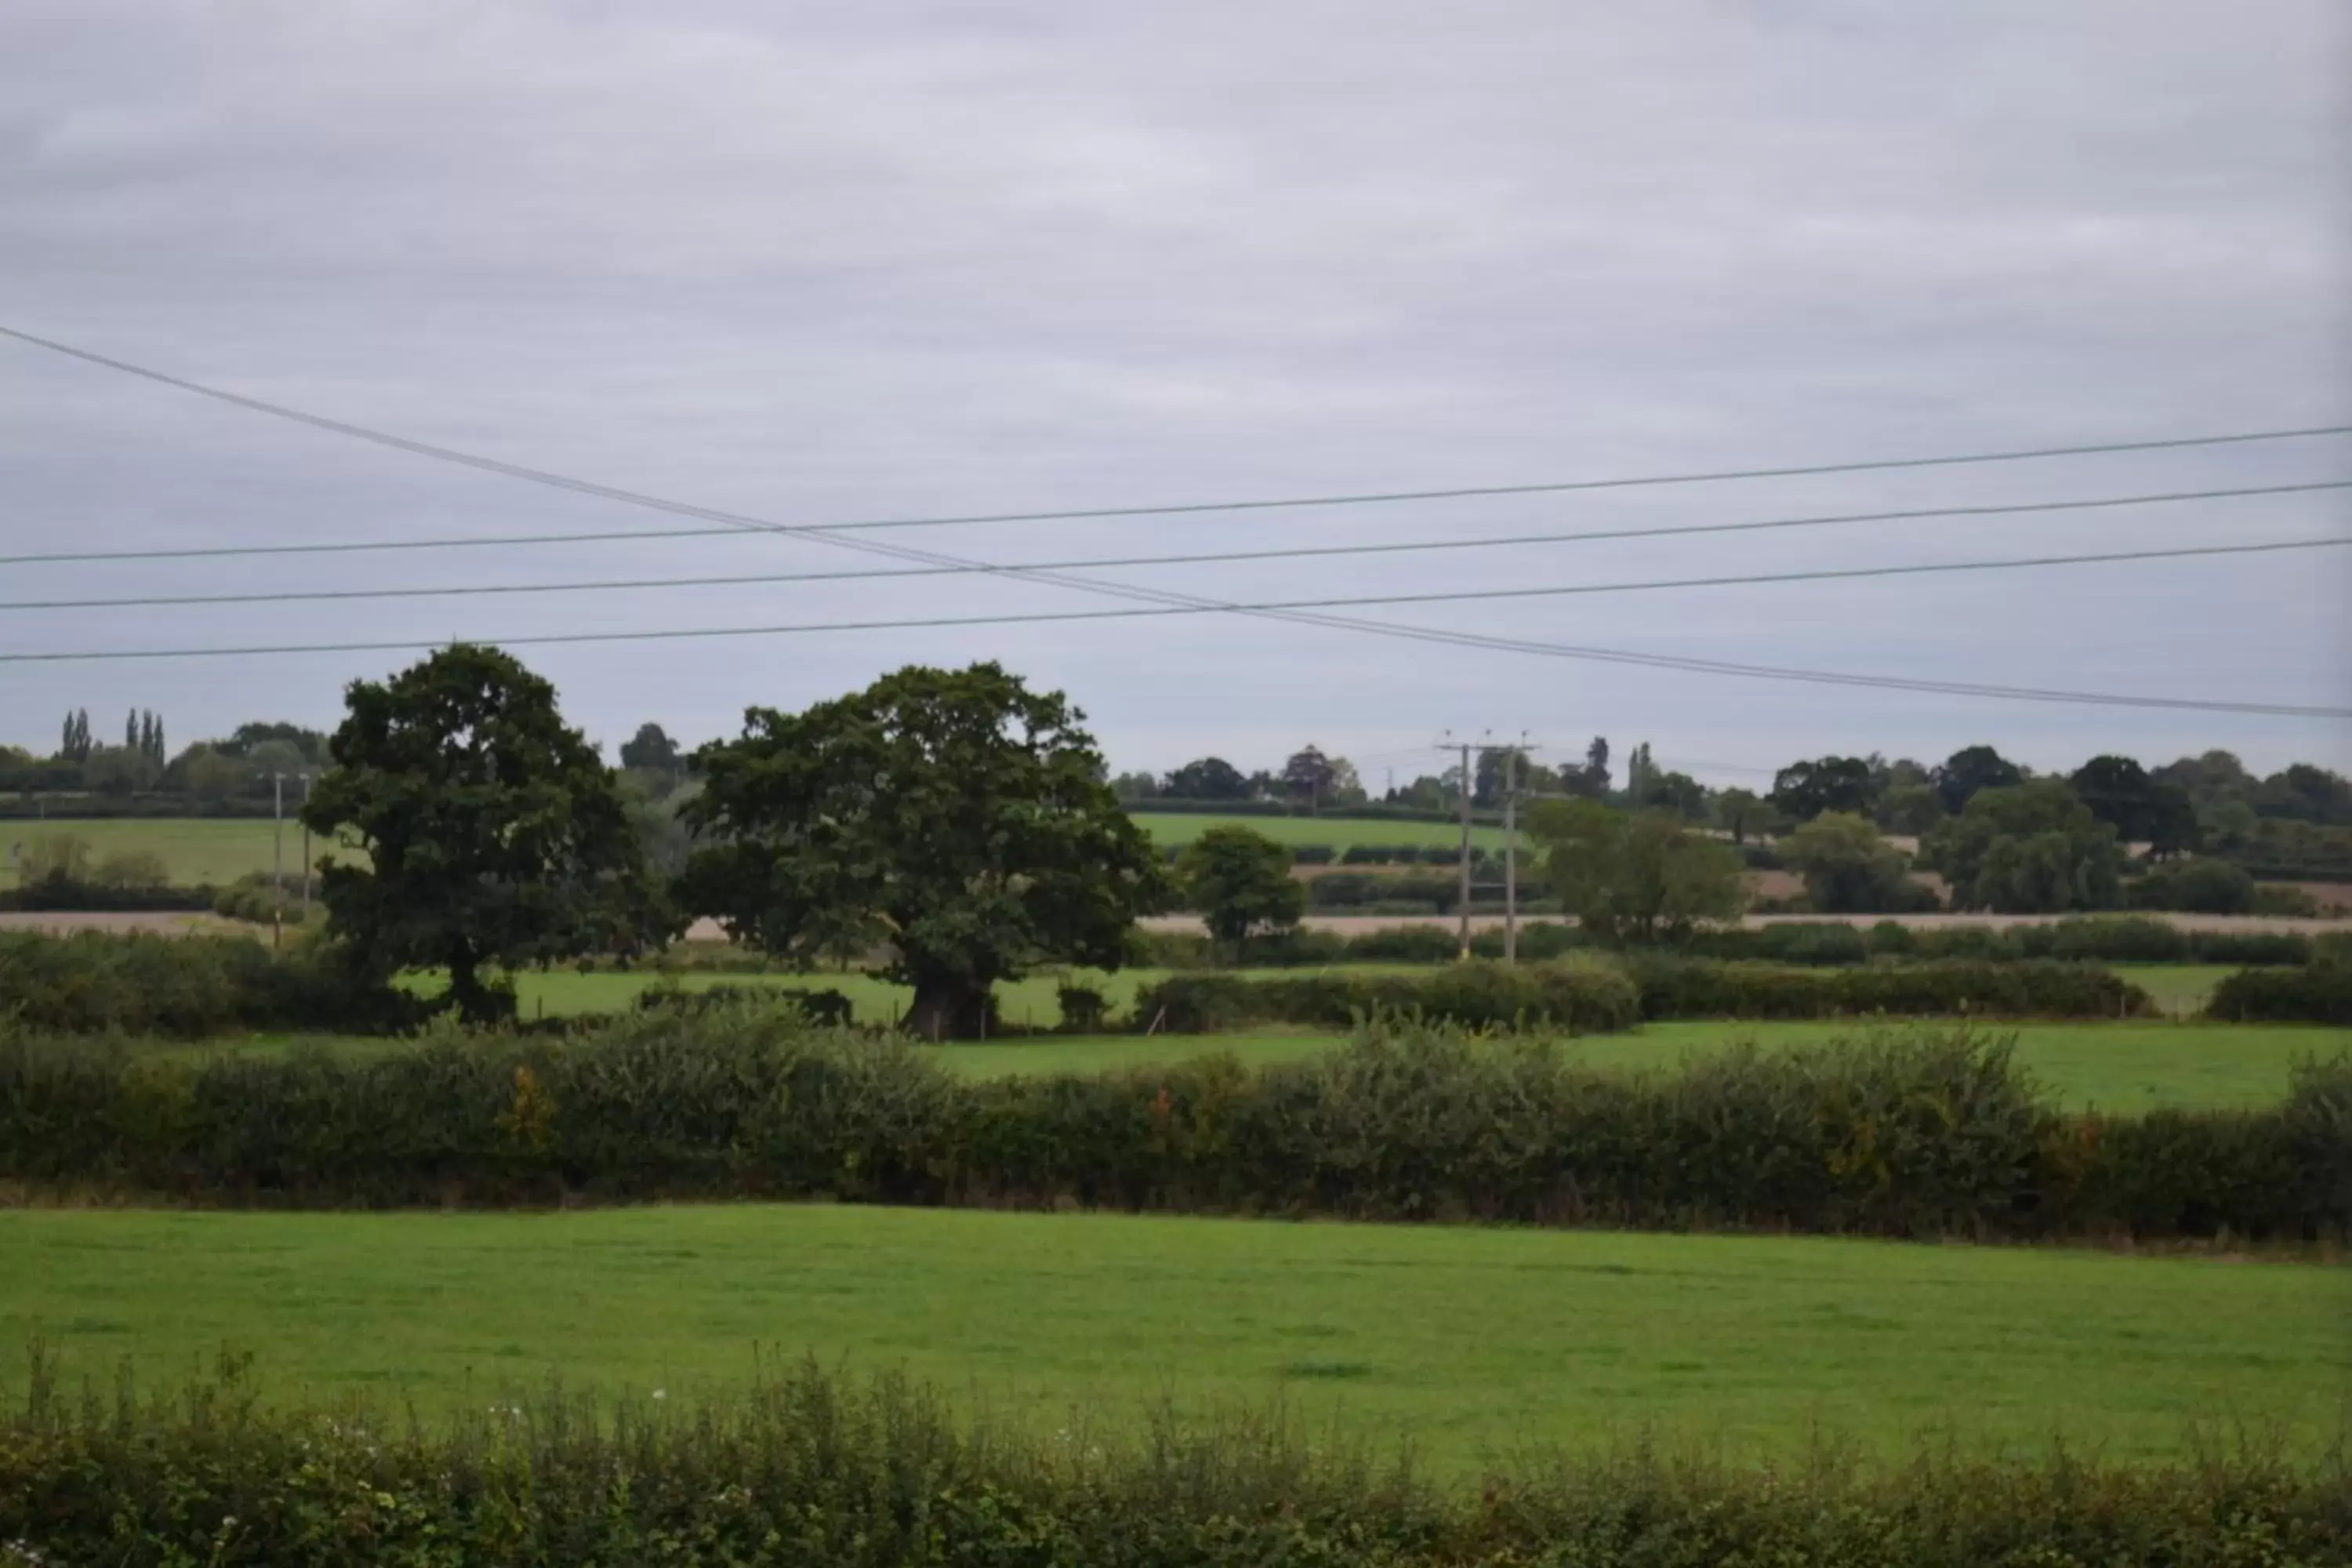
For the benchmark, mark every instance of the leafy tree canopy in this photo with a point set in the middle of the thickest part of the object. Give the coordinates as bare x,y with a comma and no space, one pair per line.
1208,778
1847,867
2028,849
1971,769
955,815
495,836
1634,876
1241,883
650,749
1803,790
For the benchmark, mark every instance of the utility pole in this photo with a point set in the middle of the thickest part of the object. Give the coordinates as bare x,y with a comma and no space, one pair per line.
306,850
276,860
1465,851
1510,858
1511,758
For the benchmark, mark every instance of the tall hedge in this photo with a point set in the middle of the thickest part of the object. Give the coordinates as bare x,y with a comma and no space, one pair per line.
807,1468
2308,993
185,986
1919,1134
1584,993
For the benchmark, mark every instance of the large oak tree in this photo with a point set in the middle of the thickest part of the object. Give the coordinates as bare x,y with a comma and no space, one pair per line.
496,837
955,818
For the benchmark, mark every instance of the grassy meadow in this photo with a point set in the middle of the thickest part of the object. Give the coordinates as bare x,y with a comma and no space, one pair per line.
1471,1340
220,850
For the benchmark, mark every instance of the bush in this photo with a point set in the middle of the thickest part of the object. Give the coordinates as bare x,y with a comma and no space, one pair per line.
1577,997
55,892
256,897
2283,898
1083,1009
806,1467
2317,993
2200,885
1924,1133
1312,853
1690,988
130,871
187,986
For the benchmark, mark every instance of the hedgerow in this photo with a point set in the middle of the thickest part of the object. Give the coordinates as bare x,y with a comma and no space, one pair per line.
187,985
803,1467
1926,1133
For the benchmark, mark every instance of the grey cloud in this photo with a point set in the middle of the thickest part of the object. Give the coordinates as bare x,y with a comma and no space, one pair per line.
859,261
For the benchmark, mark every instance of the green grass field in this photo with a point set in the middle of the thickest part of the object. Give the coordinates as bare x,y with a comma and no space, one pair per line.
1472,1341
1183,828
196,849
199,849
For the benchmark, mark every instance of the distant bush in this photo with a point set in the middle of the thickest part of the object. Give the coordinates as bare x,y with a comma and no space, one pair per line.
1579,998
2318,993
2200,885
1673,987
133,870
62,893
1085,1009
1312,853
258,898
1922,1133
2283,898
185,986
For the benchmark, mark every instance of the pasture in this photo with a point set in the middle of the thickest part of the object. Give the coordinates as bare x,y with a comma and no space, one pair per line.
194,849
1471,1340
220,850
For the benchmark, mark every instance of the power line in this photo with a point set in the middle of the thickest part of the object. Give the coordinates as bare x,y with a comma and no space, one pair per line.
1460,492
1912,514
1287,609
1737,580
1178,602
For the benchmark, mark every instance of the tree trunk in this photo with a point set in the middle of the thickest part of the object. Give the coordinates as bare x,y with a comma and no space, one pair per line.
477,1003
949,1007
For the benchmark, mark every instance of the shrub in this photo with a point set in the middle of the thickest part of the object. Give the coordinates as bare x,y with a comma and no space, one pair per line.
1083,1009
133,870
2283,898
185,986
256,897
803,1465
1575,996
2199,884
1920,1133
1688,988
2316,992
1313,854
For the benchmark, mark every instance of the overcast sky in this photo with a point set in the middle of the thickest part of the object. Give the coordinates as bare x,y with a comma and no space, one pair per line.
828,262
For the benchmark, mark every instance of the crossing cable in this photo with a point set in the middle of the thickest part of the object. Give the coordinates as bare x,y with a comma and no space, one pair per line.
1170,603
1292,610
1821,575
1911,514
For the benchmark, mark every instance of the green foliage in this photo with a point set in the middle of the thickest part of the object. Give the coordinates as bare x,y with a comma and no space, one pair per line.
1802,791
803,1465
956,815
495,837
1577,997
2200,884
189,986
1675,987
2027,848
1970,770
255,897
2316,992
1240,881
1634,876
1743,813
1922,1134
1847,867
53,856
